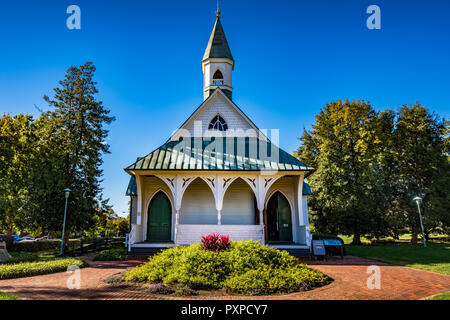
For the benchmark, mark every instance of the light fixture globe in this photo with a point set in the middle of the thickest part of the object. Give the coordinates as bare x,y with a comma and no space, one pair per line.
67,192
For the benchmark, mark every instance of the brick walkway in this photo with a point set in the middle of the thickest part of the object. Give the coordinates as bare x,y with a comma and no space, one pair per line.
350,276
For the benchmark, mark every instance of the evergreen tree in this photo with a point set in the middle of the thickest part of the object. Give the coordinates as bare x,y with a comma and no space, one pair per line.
72,140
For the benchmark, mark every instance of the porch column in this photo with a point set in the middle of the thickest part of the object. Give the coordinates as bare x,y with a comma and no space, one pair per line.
177,195
261,217
177,219
299,194
219,216
139,200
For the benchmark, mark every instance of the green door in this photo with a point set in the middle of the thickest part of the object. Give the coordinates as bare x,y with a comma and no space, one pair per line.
284,218
279,223
159,218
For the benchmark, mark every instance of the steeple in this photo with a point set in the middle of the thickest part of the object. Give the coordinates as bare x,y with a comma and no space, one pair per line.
217,62
217,45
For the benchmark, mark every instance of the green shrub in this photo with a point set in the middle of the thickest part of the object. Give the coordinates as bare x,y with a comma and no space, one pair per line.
28,269
185,292
190,266
246,268
113,254
5,296
17,257
271,281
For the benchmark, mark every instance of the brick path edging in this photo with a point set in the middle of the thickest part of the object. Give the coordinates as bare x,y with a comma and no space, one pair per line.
350,278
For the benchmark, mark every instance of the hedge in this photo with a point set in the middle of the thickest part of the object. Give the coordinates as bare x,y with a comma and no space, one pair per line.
5,296
34,246
17,257
28,269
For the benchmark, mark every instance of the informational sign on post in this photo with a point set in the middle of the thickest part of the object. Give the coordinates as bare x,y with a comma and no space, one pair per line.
318,248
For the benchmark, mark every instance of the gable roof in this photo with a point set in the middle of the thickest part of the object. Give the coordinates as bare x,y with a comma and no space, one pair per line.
217,45
237,154
205,103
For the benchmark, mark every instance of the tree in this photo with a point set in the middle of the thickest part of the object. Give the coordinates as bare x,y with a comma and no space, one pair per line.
16,147
421,168
344,147
71,142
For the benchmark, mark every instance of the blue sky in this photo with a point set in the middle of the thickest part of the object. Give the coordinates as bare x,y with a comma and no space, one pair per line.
291,58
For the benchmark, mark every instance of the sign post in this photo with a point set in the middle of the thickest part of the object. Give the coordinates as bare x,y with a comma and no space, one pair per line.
318,248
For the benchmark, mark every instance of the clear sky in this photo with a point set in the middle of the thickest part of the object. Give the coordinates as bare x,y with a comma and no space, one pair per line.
291,58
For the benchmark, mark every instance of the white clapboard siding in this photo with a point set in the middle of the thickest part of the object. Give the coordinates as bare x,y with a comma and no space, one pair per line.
189,234
220,106
198,205
238,204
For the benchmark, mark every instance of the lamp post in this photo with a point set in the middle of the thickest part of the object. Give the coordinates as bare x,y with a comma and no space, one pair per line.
417,200
66,193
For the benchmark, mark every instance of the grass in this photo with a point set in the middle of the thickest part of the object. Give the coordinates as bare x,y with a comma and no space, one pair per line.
435,257
442,296
5,296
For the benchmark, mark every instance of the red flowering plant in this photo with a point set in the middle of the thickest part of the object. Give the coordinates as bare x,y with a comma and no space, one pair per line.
215,242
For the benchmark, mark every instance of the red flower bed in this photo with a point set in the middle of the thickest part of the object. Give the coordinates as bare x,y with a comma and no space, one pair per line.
215,242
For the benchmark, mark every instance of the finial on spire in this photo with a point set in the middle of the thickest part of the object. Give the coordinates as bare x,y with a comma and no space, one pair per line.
218,11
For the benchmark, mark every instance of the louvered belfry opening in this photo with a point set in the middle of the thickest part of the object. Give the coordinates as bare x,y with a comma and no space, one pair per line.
218,78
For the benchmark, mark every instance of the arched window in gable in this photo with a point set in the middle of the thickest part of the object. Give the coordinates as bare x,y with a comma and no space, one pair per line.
218,123
218,78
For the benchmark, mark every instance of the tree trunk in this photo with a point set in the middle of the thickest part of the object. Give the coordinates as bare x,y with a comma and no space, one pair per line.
414,234
356,239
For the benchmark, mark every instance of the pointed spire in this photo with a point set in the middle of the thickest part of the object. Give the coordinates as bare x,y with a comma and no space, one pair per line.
218,11
218,45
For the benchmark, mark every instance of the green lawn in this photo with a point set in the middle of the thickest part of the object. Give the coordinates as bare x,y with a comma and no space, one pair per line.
5,296
435,257
442,296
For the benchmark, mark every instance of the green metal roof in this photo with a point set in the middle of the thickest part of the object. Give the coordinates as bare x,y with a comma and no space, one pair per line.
306,189
236,154
218,45
132,187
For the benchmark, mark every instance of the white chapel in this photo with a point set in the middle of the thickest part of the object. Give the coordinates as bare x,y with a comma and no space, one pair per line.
218,173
